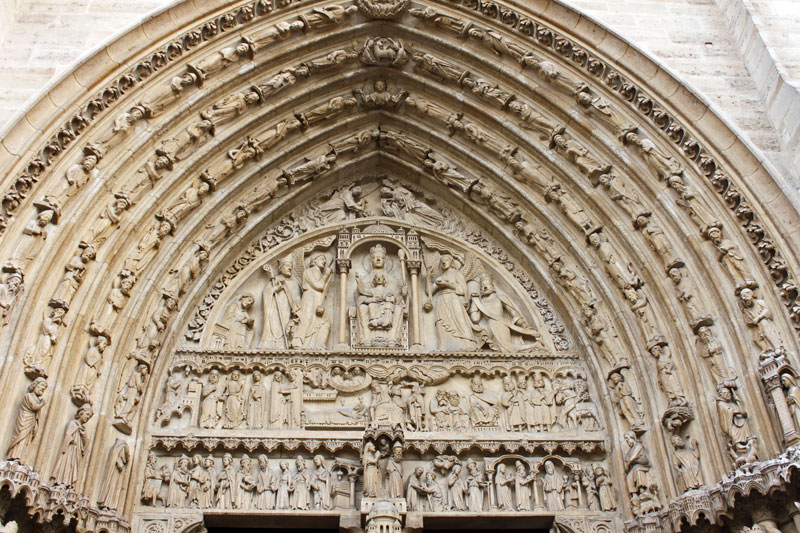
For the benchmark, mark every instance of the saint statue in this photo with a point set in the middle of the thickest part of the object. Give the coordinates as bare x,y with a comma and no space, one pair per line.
380,306
553,488
453,326
281,303
314,328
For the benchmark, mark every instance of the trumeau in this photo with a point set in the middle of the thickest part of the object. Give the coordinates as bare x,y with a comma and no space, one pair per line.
387,263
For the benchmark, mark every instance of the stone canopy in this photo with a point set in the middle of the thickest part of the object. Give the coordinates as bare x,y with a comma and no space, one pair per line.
389,263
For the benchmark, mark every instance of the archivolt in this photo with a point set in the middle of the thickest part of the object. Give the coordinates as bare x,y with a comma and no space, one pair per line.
559,149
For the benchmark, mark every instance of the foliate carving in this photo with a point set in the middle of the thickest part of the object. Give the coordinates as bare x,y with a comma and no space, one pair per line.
382,9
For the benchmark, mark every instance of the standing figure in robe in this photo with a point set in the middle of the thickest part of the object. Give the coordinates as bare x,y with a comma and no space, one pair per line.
394,472
73,448
553,487
503,483
300,486
456,489
453,326
281,303
197,478
179,484
321,484
314,328
265,485
227,489
257,402
26,425
233,395
284,487
211,403
522,487
372,474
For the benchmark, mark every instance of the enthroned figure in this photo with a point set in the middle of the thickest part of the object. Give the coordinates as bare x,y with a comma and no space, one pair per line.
380,306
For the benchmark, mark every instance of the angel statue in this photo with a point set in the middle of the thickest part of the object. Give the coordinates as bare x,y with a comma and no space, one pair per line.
313,327
281,304
503,320
450,300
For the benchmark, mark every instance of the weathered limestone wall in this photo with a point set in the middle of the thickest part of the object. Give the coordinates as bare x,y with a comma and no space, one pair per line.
741,55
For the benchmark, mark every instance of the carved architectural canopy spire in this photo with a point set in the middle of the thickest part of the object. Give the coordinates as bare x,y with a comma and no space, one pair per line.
393,264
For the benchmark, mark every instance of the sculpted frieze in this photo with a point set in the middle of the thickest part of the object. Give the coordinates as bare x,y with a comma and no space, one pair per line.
440,483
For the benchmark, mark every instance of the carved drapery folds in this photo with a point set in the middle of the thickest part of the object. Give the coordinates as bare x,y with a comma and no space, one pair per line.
321,260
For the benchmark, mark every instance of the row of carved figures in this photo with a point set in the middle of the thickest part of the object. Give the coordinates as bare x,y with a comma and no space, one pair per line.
315,398
468,311
245,483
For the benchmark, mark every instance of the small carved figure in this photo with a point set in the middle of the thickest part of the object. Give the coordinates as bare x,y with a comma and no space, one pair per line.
285,402
266,485
300,486
320,484
686,292
621,274
399,202
553,488
118,458
9,290
711,349
453,326
417,493
728,254
619,191
211,402
668,377
503,482
637,465
239,322
314,328
380,97
37,357
758,318
628,405
209,485
577,153
394,473
90,371
331,60
284,487
327,110
281,303
233,401
733,423
227,488
605,488
179,484
26,424
448,174
513,402
128,397
569,206
484,408
503,320
151,490
687,462
344,204
230,106
73,448
663,165
246,482
256,408
656,238
198,477
792,392
589,483
540,399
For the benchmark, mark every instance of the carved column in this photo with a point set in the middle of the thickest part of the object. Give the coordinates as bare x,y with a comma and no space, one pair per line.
343,267
491,487
771,369
414,267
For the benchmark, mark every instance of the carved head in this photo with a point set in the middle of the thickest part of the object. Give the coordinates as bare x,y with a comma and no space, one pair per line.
263,462
236,375
377,256
615,379
379,86
319,260
476,384
213,377
630,293
397,452
256,377
747,297
183,463
38,387
197,460
675,275
549,467
788,381
208,462
487,286
88,163
246,301
445,262
379,280
594,239
227,459
630,438
724,393
44,217
84,413
454,398
677,442
151,459
142,370
418,471
507,384
285,267
704,332
13,282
